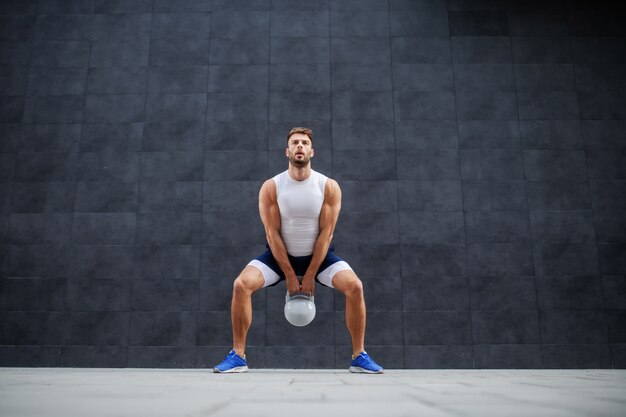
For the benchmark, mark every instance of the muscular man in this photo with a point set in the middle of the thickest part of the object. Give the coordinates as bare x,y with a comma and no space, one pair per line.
299,209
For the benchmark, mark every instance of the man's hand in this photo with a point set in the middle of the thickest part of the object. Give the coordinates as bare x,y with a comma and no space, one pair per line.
308,284
293,284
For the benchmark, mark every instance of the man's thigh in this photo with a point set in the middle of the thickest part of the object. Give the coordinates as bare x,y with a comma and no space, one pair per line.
345,280
269,277
331,266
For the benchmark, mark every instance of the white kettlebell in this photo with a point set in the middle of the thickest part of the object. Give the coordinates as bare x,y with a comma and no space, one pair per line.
299,309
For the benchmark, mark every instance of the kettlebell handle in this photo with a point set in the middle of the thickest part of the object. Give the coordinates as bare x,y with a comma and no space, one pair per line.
299,294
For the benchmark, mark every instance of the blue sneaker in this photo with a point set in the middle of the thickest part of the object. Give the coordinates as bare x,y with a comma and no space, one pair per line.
232,364
364,364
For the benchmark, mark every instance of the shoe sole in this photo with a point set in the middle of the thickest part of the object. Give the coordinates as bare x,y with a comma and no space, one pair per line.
359,370
235,370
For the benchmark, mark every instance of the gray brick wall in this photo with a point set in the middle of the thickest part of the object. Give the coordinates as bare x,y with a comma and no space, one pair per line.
480,146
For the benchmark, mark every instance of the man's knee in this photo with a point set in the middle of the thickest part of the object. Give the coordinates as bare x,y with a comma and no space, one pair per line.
349,283
355,287
248,281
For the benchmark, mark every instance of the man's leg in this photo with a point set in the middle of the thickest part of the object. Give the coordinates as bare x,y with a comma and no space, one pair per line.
350,285
250,280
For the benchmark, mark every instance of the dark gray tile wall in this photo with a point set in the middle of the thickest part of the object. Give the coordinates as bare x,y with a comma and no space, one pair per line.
480,147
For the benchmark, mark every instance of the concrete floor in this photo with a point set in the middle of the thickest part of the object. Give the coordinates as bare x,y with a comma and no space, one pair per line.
68,392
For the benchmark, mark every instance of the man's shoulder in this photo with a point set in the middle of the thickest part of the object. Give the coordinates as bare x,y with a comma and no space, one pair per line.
268,182
320,174
268,186
277,177
325,177
331,189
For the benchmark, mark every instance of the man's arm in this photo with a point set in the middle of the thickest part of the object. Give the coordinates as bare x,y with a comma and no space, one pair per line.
270,215
328,219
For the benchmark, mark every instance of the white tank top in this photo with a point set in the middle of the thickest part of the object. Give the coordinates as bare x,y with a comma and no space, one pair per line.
300,203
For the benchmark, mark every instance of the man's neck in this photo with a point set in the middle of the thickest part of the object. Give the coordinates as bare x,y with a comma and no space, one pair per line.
300,174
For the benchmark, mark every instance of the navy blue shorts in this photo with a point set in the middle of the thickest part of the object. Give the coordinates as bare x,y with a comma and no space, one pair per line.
273,274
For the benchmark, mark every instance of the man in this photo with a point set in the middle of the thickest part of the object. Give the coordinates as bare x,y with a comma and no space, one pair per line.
299,209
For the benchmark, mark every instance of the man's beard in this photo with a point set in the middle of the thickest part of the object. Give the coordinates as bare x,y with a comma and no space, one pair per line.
299,163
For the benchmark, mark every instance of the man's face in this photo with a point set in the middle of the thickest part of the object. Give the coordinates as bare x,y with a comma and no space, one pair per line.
299,150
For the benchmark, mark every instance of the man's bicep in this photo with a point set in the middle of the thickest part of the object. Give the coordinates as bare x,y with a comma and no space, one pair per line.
268,208
331,207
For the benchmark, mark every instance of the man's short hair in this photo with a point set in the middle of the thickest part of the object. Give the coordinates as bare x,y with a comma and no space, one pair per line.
304,130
